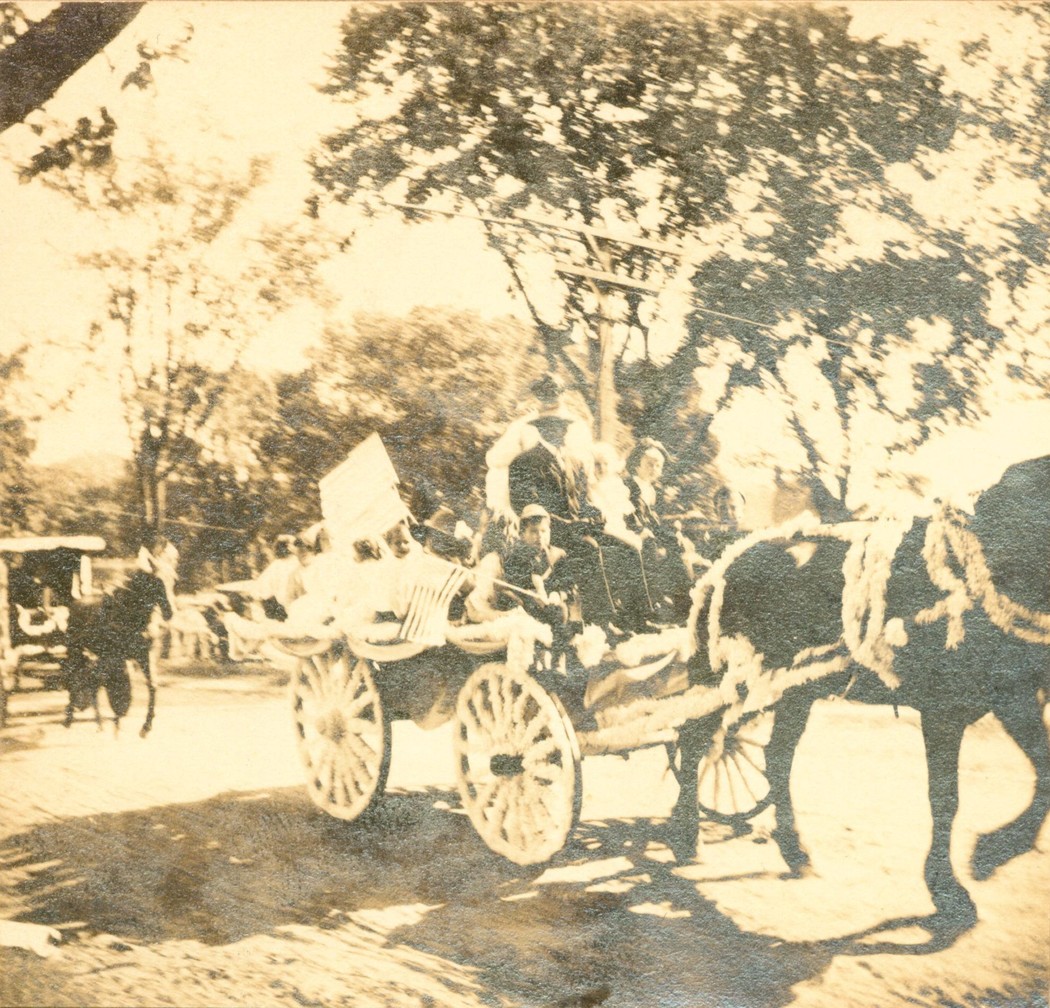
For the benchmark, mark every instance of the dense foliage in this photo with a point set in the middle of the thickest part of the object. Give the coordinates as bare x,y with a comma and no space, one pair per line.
767,154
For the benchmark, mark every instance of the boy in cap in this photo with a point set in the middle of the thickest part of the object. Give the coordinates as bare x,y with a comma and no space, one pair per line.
539,569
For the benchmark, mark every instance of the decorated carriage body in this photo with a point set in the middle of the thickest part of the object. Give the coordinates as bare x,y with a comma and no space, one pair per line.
40,578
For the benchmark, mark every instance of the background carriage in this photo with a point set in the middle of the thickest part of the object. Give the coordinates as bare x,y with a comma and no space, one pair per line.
40,577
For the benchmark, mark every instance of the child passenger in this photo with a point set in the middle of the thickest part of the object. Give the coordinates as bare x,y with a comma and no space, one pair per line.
538,568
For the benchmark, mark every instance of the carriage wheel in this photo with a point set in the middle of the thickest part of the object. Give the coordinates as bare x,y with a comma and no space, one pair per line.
731,783
518,764
343,735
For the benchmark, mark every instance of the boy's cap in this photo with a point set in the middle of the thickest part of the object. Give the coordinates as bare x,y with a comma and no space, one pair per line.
534,511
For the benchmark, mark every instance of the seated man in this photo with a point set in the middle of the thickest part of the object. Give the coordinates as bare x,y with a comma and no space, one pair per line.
663,549
280,583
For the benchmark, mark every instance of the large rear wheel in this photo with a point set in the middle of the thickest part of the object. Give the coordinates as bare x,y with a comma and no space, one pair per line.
518,764
343,733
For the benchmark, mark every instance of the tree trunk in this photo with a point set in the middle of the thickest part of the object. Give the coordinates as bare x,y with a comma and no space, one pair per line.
151,496
608,412
38,63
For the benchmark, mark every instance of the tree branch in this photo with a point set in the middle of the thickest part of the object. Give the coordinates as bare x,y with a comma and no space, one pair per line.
39,62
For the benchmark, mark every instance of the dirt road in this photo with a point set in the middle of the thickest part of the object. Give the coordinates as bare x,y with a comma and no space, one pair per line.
190,869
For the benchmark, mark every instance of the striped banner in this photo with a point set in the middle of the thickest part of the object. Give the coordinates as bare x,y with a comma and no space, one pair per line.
431,593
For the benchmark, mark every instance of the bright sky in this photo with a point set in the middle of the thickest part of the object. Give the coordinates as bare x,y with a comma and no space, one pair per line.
249,87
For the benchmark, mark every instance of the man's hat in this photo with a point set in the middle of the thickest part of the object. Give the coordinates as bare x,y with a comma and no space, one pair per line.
547,389
534,511
551,428
443,520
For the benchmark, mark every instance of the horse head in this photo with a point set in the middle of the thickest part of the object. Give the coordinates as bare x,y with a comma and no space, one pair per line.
1012,522
146,592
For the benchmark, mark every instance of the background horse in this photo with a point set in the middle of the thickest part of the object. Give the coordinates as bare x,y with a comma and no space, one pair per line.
975,648
105,634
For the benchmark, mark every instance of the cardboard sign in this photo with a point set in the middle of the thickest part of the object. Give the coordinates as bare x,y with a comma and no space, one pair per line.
359,498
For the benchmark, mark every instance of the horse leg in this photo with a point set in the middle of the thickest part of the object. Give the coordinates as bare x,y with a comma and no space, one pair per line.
683,827
942,734
789,723
1023,721
151,689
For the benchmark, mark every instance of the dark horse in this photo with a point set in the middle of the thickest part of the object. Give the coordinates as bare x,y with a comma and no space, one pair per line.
783,603
104,634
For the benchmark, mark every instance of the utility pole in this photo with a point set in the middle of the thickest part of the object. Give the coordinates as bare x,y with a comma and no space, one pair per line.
599,272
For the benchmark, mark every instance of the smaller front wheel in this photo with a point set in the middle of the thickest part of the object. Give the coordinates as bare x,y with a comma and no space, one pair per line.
731,778
518,764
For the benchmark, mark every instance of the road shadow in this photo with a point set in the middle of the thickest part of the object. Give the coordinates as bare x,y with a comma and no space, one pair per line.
239,864
609,921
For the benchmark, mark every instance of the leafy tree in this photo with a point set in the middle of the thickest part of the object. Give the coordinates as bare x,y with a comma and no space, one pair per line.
757,153
89,495
437,386
15,447
176,315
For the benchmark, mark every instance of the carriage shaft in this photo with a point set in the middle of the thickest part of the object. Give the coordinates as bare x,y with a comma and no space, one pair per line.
650,721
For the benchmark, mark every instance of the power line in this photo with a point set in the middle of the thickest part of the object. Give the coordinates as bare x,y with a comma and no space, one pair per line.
539,223
118,513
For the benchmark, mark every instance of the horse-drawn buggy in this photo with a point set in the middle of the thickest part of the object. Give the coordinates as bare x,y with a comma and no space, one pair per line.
41,577
948,614
521,725
60,630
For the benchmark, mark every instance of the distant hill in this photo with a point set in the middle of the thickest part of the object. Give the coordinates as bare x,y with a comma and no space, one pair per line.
93,469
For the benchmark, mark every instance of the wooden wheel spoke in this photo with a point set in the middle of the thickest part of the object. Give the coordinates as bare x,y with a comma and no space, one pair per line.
317,672
728,767
744,755
484,791
525,811
549,800
745,779
483,716
348,691
504,690
547,772
472,746
493,701
519,723
533,730
530,804
361,747
541,753
343,737
496,809
317,748
359,774
743,740
325,772
538,829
